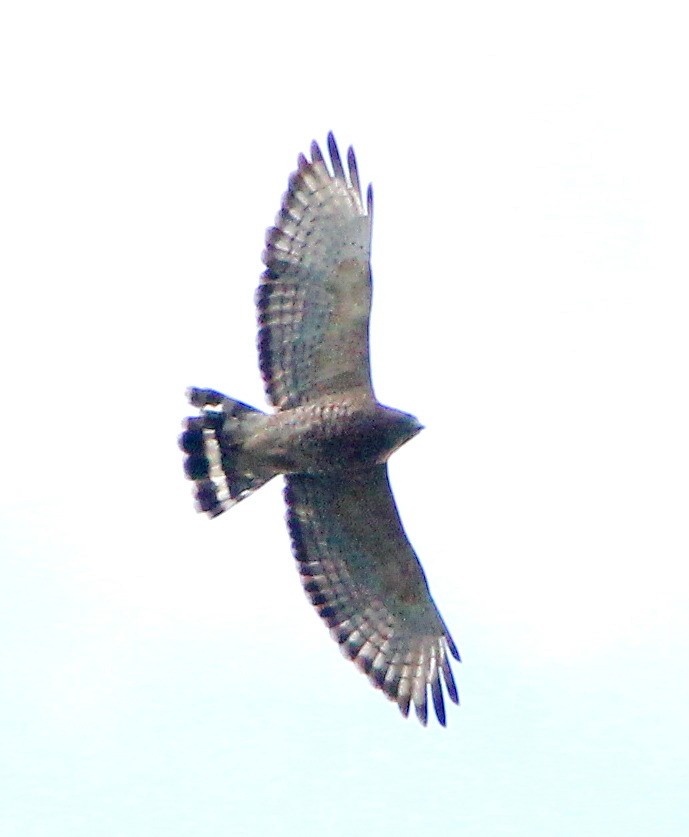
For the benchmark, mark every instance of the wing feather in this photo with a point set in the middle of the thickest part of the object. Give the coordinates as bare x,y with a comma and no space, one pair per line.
362,575
314,299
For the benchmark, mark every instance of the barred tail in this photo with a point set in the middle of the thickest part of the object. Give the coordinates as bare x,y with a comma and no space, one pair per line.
212,443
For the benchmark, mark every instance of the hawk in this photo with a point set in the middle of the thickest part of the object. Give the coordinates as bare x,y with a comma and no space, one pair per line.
331,439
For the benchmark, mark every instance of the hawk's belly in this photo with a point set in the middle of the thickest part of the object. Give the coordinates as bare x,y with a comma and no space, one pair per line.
322,437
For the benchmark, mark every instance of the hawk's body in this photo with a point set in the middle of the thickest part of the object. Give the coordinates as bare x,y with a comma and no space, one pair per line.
330,437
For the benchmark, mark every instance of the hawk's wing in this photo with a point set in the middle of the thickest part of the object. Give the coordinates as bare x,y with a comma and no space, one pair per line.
314,298
362,575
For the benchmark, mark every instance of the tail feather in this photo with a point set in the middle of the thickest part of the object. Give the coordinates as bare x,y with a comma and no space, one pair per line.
212,442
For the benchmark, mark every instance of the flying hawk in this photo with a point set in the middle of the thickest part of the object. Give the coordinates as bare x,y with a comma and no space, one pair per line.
331,439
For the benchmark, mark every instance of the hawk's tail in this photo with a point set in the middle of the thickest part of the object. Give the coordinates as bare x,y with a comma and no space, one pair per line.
212,443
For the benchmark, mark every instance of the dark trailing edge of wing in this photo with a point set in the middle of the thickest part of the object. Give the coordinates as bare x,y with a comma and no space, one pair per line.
366,631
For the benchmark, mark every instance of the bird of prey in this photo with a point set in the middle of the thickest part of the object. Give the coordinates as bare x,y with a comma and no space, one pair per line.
330,437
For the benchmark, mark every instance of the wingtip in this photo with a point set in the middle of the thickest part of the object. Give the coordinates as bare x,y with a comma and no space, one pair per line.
421,710
449,679
335,158
316,153
453,648
438,702
353,171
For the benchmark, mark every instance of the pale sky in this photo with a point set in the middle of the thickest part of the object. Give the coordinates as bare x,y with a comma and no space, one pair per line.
162,674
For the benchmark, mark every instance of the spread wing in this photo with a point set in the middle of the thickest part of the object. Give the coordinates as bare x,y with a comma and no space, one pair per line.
362,575
314,299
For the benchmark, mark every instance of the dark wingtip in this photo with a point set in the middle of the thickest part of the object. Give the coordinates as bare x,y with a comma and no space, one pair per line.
421,710
438,702
450,684
334,152
353,170
316,153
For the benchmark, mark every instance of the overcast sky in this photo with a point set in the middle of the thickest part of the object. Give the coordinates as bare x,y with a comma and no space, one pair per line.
162,674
